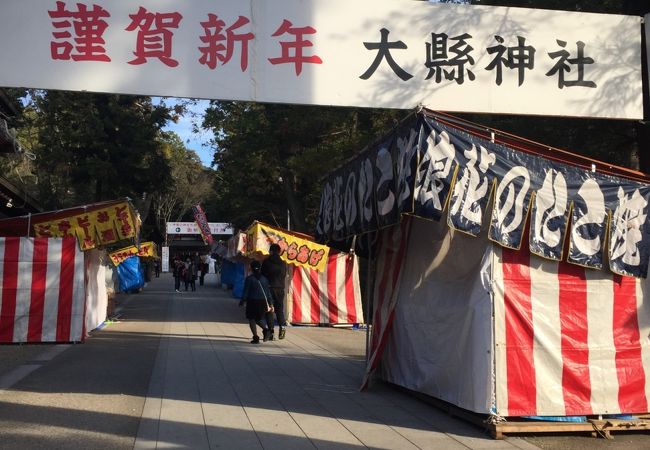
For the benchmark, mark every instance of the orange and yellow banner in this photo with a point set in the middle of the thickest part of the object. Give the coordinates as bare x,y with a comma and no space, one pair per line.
100,227
147,250
293,250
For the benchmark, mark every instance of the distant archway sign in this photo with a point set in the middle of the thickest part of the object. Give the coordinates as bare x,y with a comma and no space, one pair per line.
216,228
368,53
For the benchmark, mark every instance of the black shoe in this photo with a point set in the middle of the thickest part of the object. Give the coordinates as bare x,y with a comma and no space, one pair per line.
256,340
266,335
270,337
283,333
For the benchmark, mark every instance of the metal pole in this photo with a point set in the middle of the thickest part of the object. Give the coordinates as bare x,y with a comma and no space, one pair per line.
288,219
369,287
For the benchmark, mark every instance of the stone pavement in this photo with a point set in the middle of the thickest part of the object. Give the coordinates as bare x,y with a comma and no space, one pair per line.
178,371
211,388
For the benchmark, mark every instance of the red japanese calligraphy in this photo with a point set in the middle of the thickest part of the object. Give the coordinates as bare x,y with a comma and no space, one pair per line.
103,217
126,228
154,39
88,28
292,51
292,251
303,254
215,51
43,230
315,257
121,213
64,226
108,236
84,223
89,243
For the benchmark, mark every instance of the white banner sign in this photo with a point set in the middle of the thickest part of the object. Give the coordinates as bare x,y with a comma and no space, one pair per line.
369,53
165,259
192,228
647,49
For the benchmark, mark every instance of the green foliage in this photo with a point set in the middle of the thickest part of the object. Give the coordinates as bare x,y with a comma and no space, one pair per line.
93,147
189,183
12,96
270,157
82,148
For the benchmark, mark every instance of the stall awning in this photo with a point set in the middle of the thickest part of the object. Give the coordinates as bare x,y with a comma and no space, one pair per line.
559,205
93,225
295,248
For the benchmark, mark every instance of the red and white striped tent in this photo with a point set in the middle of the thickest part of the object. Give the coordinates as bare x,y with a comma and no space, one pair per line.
50,291
568,340
501,331
464,308
329,297
312,297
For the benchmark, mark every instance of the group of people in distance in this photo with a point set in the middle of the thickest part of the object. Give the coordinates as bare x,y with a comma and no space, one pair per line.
188,271
264,296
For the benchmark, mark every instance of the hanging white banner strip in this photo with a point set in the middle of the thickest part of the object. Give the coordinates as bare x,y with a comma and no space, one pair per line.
369,53
647,50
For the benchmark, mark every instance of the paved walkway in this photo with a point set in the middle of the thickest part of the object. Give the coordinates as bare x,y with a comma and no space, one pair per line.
190,378
211,388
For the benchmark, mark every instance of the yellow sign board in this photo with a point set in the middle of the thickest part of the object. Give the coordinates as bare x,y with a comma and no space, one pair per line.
100,227
147,250
293,249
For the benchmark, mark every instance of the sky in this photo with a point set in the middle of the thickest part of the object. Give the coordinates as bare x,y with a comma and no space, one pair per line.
199,142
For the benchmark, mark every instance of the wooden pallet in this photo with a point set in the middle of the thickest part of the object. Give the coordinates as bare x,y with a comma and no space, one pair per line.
596,427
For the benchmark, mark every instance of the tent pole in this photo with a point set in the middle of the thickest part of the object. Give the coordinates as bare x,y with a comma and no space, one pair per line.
369,286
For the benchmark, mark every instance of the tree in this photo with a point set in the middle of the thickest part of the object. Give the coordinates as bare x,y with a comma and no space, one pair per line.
271,158
94,147
189,183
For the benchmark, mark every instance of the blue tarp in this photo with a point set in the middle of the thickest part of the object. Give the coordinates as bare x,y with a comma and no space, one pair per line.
577,419
238,287
232,275
580,419
131,274
227,273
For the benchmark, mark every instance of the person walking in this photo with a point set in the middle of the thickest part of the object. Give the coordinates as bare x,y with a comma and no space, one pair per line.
205,267
190,274
156,266
275,270
178,269
257,294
